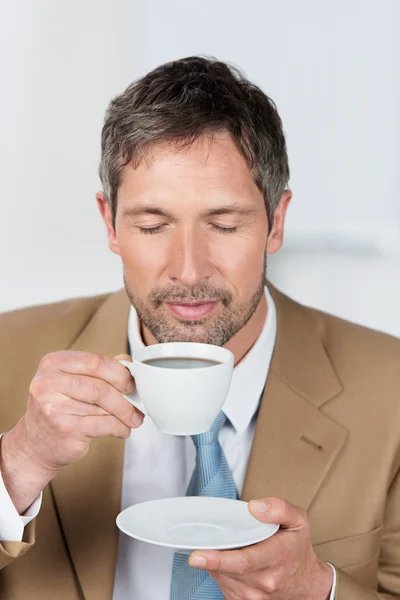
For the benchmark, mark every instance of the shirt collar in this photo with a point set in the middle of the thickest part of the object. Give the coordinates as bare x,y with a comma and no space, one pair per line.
249,375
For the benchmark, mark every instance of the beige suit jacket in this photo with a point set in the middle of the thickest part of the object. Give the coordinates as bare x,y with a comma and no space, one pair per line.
327,439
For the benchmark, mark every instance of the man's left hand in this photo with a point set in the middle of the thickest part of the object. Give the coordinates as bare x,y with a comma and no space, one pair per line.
283,567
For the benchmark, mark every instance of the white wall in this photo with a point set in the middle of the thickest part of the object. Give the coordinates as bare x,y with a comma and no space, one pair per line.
332,69
61,62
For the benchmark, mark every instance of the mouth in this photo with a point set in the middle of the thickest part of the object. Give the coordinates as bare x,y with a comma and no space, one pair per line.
193,311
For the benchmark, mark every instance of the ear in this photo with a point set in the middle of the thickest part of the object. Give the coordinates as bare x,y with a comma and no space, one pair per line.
105,211
275,236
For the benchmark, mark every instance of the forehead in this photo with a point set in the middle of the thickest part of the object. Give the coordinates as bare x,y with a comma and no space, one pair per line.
210,163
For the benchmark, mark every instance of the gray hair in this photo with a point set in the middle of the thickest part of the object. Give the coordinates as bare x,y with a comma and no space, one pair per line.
184,99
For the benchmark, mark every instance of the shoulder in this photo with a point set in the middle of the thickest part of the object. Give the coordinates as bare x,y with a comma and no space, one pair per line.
367,363
28,334
63,320
362,358
356,345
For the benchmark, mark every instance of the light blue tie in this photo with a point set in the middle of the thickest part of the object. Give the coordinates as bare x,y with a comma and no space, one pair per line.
211,477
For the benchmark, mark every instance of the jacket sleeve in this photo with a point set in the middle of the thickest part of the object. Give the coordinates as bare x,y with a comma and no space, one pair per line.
9,551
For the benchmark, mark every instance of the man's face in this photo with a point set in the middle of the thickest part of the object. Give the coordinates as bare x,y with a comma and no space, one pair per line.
191,229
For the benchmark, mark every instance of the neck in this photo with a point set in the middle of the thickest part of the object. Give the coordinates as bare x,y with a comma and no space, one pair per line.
241,343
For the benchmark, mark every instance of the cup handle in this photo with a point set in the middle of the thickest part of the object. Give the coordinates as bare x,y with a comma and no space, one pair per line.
131,367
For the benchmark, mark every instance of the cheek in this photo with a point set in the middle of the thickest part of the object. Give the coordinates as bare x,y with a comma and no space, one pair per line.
143,257
240,259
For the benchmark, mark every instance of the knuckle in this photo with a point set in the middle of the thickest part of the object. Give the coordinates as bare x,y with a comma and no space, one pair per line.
99,426
100,388
51,360
78,451
40,387
76,382
63,426
46,362
125,433
285,508
93,361
127,411
118,429
113,426
269,583
48,409
92,428
37,386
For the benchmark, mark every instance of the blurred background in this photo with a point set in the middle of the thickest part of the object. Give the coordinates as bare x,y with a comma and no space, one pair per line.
333,69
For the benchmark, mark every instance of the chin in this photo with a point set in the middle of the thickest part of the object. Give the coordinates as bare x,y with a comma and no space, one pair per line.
185,332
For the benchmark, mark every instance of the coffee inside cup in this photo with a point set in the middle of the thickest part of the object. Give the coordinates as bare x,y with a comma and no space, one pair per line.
177,362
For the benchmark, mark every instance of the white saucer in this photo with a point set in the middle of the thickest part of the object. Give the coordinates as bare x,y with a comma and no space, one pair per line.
194,523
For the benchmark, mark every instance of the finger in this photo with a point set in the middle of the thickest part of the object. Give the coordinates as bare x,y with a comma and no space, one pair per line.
123,357
277,510
236,563
95,427
231,588
127,357
90,390
68,406
91,364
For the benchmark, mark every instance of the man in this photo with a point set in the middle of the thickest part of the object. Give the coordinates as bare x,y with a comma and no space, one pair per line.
194,172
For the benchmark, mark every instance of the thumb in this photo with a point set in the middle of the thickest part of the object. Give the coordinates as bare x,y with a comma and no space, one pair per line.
123,357
277,510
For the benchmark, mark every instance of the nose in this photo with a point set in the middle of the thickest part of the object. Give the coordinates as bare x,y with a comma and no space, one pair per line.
189,258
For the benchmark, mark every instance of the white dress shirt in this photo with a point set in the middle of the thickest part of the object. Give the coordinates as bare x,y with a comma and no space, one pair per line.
157,465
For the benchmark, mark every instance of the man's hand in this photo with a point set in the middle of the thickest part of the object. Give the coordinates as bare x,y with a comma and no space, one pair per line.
283,567
74,397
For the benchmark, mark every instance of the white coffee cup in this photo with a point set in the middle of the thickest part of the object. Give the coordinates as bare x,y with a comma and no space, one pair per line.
179,398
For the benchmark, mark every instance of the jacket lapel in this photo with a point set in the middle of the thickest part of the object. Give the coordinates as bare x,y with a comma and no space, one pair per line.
88,494
295,443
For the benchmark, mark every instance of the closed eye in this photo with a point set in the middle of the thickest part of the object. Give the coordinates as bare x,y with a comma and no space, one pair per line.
223,229
159,228
151,230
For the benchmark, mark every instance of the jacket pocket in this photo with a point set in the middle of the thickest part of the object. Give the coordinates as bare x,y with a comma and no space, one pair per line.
350,551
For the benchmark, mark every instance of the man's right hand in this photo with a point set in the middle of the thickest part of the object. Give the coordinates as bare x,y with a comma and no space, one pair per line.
74,397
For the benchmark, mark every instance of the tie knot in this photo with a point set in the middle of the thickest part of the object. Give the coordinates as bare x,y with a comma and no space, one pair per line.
211,436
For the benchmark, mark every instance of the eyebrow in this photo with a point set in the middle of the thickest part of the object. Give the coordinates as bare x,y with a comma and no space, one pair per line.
144,210
213,212
229,209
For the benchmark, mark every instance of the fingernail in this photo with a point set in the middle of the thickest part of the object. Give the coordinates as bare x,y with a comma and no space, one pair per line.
137,419
259,505
198,561
130,388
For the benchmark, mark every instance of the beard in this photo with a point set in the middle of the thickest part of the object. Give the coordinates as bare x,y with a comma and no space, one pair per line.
213,329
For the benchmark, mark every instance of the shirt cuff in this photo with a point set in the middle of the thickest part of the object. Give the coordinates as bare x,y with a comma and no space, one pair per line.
333,590
11,523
